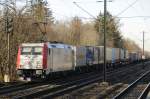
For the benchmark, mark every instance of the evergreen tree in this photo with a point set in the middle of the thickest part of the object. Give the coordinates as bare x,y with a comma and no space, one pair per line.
113,35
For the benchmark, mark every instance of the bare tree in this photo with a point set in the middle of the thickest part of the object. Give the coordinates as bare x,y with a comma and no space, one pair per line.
24,30
76,30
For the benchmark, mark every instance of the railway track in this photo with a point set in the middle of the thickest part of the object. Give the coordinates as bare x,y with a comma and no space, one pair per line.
101,91
137,90
41,91
60,90
30,87
14,88
47,90
3,84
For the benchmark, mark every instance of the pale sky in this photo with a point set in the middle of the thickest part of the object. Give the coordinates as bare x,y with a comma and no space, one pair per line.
131,27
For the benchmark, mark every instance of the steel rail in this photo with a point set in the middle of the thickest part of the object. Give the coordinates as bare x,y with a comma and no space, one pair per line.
60,92
145,92
55,89
46,93
123,92
113,72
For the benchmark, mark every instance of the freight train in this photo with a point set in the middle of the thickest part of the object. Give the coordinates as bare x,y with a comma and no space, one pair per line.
42,59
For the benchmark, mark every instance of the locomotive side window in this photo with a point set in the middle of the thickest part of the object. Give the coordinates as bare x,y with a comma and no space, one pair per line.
37,51
26,50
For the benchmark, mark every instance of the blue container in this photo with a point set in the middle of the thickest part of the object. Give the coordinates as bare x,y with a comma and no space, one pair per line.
89,55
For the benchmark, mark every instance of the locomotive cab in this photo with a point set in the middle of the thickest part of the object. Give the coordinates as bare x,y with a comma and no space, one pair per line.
30,60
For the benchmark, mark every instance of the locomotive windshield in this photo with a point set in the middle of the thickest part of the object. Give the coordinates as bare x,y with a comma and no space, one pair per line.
31,51
26,50
37,50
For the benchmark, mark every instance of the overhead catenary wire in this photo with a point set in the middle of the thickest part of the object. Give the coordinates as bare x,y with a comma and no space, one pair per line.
84,10
117,14
94,17
122,17
127,8
134,17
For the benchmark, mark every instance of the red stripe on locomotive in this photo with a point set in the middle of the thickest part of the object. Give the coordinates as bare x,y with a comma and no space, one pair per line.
44,54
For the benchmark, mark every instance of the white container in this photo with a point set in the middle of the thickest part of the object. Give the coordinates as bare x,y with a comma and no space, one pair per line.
96,55
109,55
79,56
122,54
101,54
117,54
